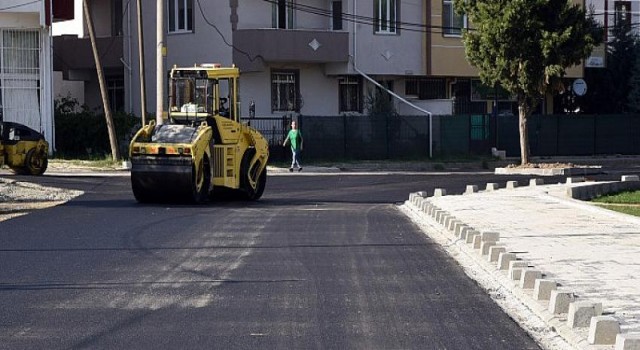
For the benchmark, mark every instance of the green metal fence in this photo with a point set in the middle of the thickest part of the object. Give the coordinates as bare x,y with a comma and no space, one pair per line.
406,137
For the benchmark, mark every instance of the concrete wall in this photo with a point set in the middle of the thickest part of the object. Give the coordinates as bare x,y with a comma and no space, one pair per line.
19,20
392,54
319,92
65,88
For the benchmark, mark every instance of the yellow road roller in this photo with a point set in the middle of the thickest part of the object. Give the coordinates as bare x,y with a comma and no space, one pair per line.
22,149
201,150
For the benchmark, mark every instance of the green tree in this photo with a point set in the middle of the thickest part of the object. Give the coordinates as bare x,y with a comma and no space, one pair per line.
633,99
525,47
620,61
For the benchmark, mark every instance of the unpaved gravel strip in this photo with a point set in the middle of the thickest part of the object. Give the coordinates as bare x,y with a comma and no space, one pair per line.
19,198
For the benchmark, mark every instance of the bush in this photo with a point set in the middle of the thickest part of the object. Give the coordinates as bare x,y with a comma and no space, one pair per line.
81,133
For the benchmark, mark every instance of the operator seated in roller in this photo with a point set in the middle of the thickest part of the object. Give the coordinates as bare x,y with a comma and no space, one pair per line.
224,110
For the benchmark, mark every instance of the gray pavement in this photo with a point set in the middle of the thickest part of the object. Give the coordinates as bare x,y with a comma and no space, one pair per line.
590,252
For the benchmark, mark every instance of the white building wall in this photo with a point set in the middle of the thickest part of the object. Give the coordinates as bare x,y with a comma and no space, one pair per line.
30,17
390,54
251,14
319,93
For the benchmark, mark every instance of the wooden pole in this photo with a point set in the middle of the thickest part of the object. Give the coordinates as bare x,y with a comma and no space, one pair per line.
115,152
159,65
143,95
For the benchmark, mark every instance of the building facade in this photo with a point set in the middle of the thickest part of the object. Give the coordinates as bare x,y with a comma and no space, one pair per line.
74,65
26,62
311,57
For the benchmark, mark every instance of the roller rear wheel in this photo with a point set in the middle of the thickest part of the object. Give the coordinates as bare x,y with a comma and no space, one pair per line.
35,163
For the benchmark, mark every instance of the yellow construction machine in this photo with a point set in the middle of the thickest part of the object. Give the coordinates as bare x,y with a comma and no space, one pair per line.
201,148
23,149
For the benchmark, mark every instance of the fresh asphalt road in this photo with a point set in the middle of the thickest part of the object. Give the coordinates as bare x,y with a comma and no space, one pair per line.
321,262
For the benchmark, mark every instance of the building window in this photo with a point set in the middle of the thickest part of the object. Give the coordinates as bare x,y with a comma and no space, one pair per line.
623,13
452,23
282,14
115,92
284,90
180,16
336,15
426,89
350,90
385,16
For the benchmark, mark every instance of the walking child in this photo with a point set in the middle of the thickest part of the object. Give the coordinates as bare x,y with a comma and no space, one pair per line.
294,137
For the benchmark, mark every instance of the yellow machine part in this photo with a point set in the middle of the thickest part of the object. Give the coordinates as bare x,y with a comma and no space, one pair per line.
23,149
26,157
171,163
227,156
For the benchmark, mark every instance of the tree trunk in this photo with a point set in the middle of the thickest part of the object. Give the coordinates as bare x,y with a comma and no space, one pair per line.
523,114
115,152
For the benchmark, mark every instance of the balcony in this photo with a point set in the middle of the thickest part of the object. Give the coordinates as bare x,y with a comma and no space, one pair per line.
74,56
291,46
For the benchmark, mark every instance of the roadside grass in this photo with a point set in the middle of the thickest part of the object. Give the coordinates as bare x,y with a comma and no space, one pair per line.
623,202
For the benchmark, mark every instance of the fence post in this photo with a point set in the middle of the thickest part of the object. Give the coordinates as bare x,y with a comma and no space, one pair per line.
386,134
344,135
595,135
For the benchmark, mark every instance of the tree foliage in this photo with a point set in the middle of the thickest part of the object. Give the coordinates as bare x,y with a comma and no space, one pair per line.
633,99
620,61
525,46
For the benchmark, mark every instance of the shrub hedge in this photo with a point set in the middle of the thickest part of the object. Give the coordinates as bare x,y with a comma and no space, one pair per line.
81,133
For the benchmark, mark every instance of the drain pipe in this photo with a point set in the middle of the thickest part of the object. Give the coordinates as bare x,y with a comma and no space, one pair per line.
402,99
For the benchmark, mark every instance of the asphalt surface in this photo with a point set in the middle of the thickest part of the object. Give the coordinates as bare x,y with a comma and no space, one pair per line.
321,262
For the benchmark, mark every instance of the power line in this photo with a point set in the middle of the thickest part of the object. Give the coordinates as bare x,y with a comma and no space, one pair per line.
360,19
224,39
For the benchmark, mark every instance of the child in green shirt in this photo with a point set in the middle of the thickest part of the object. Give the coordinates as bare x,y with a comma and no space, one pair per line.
295,138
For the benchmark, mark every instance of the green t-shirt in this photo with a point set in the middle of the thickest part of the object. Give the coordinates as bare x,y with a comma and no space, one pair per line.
295,137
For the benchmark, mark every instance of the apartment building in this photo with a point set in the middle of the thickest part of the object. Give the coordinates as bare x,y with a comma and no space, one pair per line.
25,61
314,57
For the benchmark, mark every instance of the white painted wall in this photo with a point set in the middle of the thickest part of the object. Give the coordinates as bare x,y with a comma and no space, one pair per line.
319,93
74,26
19,20
389,54
251,14
436,107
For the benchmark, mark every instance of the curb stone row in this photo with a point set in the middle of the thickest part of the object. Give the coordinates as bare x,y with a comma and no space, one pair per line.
575,315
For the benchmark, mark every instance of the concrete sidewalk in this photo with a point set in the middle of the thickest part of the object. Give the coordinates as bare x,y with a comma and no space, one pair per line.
573,266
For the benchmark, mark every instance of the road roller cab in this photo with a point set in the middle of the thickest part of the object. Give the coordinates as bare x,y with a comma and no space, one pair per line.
202,148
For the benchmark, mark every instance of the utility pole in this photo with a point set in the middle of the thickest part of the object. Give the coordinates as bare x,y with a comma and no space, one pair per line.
159,65
115,152
143,95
